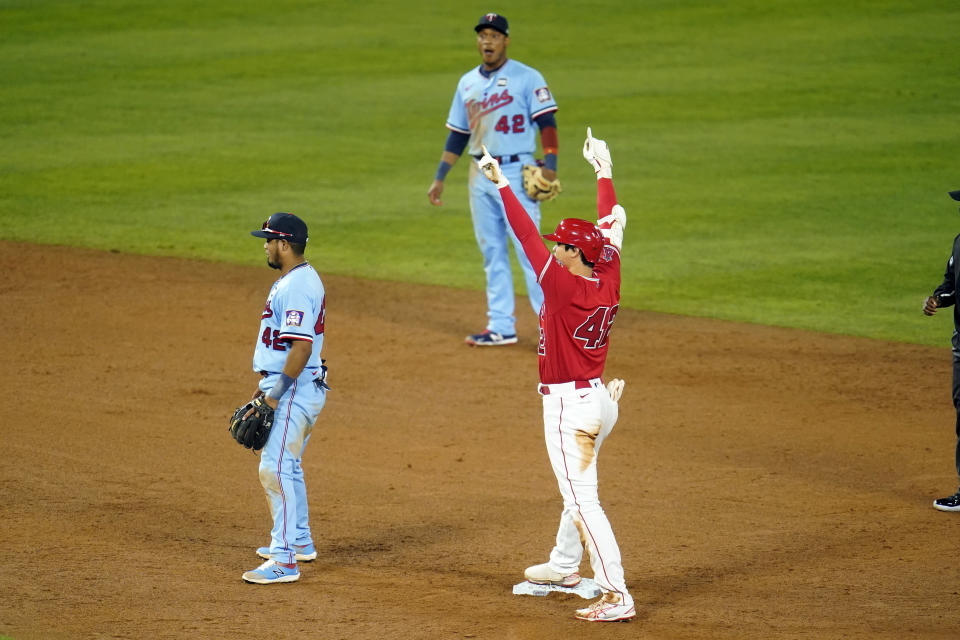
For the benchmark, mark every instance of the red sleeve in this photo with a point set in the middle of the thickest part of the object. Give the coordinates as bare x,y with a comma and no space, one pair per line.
606,197
608,266
526,232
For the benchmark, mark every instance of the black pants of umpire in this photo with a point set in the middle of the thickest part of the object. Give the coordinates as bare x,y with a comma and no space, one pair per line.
956,403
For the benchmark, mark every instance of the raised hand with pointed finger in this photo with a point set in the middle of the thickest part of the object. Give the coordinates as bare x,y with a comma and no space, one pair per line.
491,169
596,152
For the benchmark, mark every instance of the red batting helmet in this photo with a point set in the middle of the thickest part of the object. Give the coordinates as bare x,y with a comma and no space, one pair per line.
581,234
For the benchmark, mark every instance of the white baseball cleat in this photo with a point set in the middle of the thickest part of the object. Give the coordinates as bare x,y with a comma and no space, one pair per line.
609,608
543,574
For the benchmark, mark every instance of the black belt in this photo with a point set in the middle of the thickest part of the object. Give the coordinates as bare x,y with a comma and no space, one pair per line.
503,159
320,381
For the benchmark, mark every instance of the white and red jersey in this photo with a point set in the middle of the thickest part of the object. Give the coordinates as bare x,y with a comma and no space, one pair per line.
577,311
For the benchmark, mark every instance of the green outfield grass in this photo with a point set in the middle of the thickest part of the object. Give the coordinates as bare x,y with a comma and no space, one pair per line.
783,162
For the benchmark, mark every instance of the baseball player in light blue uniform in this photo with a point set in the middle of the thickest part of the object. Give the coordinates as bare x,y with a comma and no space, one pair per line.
287,357
500,104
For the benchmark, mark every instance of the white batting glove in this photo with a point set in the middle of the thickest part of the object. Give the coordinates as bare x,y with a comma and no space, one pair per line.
595,152
491,169
612,225
615,389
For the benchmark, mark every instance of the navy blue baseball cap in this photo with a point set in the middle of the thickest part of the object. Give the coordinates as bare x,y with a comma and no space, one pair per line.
955,195
493,21
283,226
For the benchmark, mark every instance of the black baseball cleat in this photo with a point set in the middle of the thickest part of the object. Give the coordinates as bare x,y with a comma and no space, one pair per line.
950,503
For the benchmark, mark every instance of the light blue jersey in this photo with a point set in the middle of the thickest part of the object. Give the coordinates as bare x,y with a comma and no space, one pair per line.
294,311
498,110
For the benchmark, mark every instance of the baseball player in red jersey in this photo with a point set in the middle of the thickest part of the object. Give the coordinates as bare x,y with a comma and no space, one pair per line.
581,289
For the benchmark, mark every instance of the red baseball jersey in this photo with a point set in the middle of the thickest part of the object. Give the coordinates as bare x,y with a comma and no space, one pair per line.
577,312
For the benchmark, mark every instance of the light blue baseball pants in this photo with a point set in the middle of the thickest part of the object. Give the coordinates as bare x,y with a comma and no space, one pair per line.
280,472
491,228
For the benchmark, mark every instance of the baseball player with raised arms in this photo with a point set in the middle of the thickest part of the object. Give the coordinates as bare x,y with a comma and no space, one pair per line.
499,104
581,289
287,357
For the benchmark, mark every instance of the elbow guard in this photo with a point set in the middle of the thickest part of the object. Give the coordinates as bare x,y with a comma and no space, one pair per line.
612,225
617,214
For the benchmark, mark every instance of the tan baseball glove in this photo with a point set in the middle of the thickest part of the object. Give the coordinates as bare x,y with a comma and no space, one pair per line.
538,187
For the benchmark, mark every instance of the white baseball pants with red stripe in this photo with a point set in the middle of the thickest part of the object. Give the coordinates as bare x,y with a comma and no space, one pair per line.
576,422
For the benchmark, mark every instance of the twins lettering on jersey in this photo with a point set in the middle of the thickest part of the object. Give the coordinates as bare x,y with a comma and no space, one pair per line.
476,109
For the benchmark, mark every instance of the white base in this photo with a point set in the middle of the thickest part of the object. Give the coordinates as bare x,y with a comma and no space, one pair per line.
586,589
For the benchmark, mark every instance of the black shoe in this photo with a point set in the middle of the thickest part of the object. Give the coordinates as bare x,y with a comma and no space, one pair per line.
950,503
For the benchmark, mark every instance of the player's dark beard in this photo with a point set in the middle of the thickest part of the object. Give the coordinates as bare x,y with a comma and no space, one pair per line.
272,265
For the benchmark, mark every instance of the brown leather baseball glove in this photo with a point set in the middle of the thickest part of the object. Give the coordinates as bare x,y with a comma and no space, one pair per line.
538,187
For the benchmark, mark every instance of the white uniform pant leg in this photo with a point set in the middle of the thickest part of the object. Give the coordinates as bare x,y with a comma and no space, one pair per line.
280,472
574,429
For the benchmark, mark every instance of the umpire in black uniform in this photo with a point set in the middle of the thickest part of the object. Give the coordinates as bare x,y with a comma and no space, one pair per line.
946,296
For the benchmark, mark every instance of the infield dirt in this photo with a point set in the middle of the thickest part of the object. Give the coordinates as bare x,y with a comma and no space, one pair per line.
762,482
